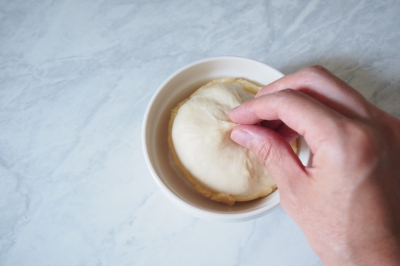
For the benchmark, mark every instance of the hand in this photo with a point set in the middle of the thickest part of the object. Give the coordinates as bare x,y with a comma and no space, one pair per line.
348,202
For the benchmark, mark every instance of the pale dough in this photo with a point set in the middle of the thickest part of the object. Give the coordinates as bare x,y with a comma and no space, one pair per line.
200,143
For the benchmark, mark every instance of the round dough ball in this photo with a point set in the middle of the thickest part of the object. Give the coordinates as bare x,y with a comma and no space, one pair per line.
203,151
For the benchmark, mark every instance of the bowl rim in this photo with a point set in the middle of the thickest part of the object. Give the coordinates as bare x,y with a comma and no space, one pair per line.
208,215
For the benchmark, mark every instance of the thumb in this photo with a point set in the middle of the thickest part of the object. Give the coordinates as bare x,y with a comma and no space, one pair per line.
275,153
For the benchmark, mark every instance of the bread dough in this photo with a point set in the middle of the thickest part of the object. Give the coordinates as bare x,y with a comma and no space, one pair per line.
200,143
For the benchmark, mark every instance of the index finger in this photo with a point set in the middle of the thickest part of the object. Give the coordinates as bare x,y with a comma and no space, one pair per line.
300,112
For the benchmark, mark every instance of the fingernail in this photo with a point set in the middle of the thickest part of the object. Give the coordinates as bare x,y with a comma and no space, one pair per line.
242,138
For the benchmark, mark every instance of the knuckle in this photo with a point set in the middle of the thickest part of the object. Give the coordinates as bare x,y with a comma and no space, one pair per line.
317,68
362,141
288,96
285,93
313,71
361,135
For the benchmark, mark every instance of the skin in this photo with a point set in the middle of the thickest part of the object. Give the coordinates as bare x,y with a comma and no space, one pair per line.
347,202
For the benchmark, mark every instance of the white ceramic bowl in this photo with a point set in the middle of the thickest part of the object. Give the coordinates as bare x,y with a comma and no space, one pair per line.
155,134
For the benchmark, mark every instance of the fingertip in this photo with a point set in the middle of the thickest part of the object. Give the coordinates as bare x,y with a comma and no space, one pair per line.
233,114
244,113
232,111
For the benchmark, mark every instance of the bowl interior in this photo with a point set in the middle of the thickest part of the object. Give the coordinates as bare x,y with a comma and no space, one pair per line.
177,88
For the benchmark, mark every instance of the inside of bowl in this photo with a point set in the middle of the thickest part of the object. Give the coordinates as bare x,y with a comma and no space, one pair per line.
174,91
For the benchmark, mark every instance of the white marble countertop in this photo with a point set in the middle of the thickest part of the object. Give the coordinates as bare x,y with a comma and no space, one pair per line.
75,79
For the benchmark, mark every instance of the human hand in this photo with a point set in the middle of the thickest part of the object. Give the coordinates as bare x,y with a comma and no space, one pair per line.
348,201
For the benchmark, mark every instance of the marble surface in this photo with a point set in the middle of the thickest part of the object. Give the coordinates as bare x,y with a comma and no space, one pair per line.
75,79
